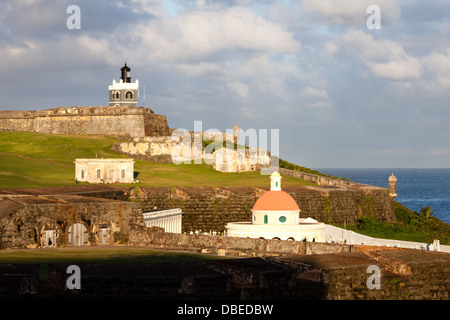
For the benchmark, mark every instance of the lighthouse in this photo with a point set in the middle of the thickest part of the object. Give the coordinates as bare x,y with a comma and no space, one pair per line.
124,92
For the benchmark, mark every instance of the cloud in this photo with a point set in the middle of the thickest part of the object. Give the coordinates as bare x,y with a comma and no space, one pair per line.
200,34
437,67
350,12
385,58
240,89
315,92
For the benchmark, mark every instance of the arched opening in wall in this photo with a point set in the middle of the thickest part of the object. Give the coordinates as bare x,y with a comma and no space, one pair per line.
77,235
261,238
314,239
117,95
291,239
304,239
129,95
276,238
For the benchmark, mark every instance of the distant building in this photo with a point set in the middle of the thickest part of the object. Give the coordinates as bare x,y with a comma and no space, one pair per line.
275,215
124,92
104,170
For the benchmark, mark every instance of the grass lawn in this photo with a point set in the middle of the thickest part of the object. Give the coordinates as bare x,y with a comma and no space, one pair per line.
43,160
93,254
109,255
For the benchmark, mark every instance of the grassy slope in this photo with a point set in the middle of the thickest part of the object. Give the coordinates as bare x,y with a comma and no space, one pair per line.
43,160
410,226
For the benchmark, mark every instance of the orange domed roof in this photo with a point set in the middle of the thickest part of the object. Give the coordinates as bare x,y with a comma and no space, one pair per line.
275,201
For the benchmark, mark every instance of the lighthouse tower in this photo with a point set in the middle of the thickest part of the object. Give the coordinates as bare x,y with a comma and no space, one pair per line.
124,92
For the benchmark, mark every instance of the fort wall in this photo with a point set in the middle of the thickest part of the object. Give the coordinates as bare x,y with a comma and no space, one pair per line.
25,219
210,209
127,122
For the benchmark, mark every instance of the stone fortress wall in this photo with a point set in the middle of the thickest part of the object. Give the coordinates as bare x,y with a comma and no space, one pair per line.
120,121
210,209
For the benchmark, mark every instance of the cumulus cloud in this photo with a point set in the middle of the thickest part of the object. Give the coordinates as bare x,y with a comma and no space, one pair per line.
437,70
201,34
385,58
240,89
350,12
315,92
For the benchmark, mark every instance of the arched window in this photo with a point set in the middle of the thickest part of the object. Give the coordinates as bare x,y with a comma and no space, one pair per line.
129,95
117,95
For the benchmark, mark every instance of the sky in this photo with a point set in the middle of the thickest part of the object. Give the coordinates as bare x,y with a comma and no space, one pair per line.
342,93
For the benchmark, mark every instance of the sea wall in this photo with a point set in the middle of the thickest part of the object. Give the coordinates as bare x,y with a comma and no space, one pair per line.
118,121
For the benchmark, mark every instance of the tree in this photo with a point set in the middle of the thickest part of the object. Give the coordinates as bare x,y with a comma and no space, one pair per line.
426,212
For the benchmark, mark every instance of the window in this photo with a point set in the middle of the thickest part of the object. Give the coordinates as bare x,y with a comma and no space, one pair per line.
122,174
99,175
129,95
111,174
117,95
265,219
276,184
82,174
282,219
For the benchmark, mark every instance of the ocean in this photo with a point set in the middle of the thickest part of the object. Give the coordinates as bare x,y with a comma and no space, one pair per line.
415,187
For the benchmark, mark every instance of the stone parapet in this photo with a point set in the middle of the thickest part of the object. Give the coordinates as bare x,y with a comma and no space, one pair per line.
120,121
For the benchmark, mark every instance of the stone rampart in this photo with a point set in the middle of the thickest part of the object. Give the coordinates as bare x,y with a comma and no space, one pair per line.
24,219
321,180
126,122
210,209
233,246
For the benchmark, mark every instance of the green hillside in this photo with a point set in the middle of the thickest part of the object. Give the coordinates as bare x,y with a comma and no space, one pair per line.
46,160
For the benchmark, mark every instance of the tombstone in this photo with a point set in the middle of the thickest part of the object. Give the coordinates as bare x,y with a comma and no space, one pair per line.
49,238
436,245
77,235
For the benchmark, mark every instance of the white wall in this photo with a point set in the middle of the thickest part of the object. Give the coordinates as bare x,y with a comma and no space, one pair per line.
338,235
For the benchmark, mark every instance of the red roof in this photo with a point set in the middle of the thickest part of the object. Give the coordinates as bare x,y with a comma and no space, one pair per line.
276,201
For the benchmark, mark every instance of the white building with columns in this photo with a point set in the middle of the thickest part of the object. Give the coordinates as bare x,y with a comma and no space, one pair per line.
170,220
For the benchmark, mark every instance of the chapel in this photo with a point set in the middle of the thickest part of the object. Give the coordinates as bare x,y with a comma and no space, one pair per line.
276,215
